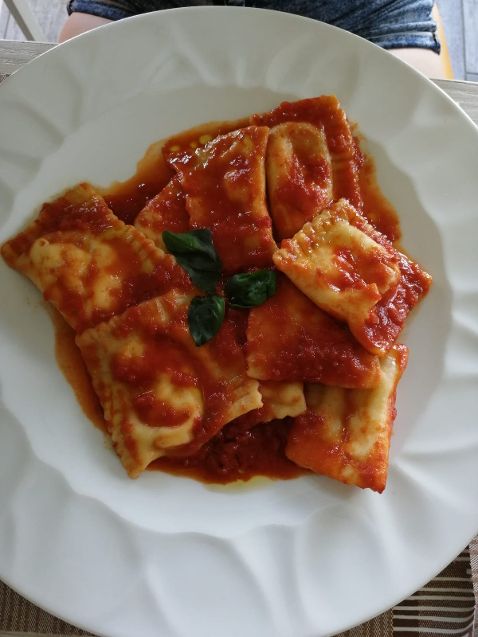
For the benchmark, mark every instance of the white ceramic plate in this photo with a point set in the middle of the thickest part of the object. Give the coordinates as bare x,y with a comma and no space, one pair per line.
169,556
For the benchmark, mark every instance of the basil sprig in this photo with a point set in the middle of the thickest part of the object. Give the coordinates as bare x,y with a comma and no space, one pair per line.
195,252
205,317
249,289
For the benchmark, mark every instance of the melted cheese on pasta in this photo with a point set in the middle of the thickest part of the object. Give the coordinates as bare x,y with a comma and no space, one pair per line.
345,433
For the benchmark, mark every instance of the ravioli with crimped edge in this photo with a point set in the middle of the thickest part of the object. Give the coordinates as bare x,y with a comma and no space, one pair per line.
345,433
161,394
236,308
354,273
87,262
299,175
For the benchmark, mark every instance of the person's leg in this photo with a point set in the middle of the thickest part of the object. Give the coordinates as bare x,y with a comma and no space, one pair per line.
85,15
78,23
425,61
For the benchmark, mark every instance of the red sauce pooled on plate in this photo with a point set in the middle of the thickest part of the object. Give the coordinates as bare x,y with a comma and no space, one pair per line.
74,370
238,453
128,197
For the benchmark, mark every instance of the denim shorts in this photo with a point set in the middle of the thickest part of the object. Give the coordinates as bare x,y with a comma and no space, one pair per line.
391,24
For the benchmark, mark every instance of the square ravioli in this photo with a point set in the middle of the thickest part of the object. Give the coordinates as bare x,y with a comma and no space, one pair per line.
279,400
299,175
291,339
224,184
325,113
353,272
303,355
88,263
345,433
337,265
166,211
162,395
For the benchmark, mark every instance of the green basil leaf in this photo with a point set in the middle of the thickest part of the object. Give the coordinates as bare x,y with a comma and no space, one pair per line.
202,279
195,252
205,317
250,289
196,245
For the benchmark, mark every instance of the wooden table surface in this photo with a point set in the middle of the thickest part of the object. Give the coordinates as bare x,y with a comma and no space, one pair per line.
14,54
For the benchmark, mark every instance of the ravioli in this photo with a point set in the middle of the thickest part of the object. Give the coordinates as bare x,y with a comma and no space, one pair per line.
291,339
325,113
88,263
160,393
279,400
299,176
353,272
186,142
345,433
385,322
224,184
166,211
338,266
303,381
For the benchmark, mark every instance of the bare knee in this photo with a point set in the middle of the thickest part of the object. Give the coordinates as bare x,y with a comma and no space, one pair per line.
79,23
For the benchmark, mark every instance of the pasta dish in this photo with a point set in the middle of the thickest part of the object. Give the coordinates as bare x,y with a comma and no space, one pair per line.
237,303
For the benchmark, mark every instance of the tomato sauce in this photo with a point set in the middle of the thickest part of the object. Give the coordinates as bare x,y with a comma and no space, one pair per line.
326,113
187,141
225,187
67,212
128,197
376,207
309,444
64,215
313,346
388,317
133,268
240,450
300,190
238,453
71,363
217,396
166,211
